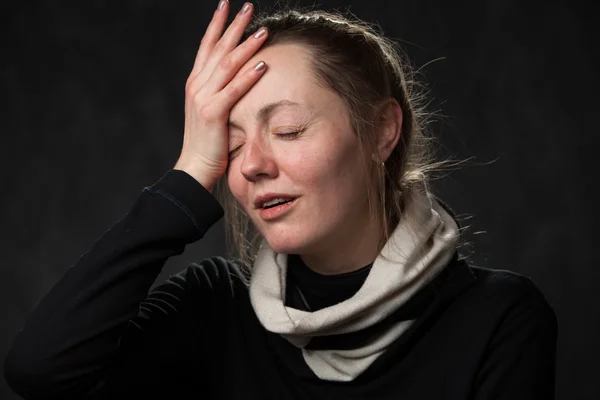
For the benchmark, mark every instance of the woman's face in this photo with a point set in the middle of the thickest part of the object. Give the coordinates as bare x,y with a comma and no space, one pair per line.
320,167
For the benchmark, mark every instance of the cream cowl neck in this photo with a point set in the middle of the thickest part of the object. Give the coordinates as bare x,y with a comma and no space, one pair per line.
420,247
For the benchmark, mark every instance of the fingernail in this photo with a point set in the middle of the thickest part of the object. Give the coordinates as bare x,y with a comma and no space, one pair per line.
260,33
222,4
260,66
246,8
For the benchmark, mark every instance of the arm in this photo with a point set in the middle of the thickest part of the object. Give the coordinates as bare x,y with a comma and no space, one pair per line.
521,357
71,344
74,333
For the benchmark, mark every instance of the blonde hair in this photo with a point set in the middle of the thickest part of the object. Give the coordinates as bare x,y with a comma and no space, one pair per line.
374,69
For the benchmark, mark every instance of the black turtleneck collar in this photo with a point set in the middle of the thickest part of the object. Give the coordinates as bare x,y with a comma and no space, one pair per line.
311,291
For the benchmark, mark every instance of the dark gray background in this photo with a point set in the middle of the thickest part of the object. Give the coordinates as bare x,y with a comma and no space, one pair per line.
93,112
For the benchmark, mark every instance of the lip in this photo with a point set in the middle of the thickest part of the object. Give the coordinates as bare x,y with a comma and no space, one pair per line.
269,214
260,200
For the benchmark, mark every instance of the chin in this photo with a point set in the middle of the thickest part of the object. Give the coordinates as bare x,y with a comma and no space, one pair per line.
293,237
282,247
290,243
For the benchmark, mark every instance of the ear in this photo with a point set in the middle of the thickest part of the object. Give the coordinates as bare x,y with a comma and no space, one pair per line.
390,128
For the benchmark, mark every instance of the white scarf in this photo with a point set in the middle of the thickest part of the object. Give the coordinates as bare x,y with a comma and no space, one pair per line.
409,260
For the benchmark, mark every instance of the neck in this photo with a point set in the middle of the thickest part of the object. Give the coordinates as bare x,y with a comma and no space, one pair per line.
349,250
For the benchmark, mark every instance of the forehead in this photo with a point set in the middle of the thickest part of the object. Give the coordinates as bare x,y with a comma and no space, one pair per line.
288,76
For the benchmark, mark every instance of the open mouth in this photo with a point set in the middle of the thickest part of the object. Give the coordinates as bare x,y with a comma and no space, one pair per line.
276,203
276,208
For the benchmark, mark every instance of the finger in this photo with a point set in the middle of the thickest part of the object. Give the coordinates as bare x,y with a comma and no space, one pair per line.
230,64
211,36
230,39
239,86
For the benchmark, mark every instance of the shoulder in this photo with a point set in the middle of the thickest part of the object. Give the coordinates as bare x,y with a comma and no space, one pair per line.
509,285
508,293
212,274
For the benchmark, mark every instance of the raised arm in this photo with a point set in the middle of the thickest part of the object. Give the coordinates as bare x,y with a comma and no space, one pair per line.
72,335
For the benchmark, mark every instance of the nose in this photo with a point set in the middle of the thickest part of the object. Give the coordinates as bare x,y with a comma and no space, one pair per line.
257,161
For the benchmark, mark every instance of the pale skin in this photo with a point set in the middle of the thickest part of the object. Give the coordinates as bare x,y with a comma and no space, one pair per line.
307,150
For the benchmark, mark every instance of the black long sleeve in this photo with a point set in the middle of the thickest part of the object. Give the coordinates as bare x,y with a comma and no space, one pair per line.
100,333
73,334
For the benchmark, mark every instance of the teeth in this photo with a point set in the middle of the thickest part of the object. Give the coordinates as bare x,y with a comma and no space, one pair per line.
275,201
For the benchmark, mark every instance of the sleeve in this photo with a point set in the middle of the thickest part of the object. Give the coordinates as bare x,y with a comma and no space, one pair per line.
75,331
521,357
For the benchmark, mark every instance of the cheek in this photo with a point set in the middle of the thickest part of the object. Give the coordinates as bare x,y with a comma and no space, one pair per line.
335,163
237,185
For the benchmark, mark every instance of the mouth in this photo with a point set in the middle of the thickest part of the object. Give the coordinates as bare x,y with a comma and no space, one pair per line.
275,202
276,209
271,200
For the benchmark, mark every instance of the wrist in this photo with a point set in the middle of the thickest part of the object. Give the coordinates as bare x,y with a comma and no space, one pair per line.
197,174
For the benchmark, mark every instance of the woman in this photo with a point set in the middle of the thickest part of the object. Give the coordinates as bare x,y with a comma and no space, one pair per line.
348,282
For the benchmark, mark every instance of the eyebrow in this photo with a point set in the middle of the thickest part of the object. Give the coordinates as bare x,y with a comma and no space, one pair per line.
266,111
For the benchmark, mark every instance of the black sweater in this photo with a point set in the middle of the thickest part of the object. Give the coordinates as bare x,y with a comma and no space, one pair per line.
100,334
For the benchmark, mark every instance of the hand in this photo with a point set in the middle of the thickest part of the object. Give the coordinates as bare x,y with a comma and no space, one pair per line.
210,93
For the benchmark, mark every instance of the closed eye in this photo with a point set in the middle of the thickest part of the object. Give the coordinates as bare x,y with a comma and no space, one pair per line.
232,152
288,135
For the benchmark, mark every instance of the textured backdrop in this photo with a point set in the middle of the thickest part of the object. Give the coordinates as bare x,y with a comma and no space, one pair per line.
93,112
